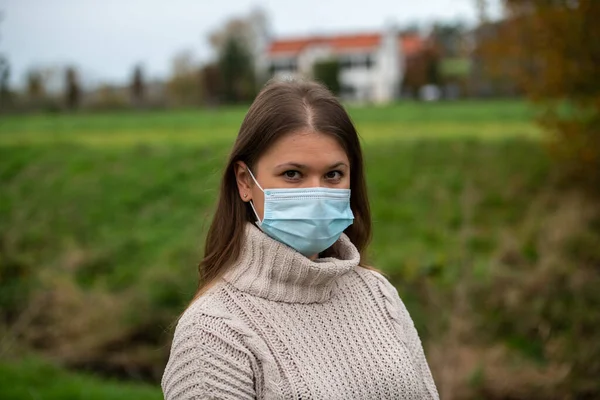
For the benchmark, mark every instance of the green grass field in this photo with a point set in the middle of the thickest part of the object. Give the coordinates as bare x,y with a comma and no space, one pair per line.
34,379
102,219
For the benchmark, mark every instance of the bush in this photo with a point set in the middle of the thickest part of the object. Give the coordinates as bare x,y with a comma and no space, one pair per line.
328,72
545,288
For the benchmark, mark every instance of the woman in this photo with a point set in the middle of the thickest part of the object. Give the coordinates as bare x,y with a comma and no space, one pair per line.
287,309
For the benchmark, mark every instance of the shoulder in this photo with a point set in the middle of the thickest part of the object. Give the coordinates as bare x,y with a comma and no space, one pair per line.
207,315
388,292
208,342
376,278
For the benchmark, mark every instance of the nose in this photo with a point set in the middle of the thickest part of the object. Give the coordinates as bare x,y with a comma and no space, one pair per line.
313,181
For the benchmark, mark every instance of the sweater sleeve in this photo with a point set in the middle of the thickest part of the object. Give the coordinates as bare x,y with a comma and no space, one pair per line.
207,361
413,342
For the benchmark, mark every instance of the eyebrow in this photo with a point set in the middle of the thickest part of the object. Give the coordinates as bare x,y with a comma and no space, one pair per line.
302,166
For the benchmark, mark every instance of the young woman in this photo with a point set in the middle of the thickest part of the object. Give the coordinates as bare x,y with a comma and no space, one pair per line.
286,308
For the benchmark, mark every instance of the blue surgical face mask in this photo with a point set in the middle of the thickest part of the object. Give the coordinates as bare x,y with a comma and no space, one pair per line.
309,220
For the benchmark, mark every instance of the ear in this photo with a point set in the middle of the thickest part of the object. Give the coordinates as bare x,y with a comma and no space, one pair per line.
243,181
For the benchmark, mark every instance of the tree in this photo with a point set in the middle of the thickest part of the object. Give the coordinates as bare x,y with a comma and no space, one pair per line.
108,97
422,66
72,91
239,46
328,72
36,90
212,83
137,86
184,87
237,71
44,86
238,28
5,93
551,48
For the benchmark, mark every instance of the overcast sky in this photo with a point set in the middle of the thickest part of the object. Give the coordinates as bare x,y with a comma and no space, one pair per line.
106,38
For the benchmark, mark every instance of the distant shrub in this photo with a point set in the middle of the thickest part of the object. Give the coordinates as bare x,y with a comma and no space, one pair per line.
543,307
328,72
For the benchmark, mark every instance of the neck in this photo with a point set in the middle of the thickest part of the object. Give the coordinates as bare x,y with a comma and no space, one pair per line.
272,270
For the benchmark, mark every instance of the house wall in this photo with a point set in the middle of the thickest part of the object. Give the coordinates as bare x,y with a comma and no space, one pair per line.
379,83
389,67
361,79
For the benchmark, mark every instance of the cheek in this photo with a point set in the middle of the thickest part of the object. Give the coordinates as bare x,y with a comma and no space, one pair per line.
258,199
268,181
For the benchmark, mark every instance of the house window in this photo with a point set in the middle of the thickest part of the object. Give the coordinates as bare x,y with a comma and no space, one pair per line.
356,61
345,62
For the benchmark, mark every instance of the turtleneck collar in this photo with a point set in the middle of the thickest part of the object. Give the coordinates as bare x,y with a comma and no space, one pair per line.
275,271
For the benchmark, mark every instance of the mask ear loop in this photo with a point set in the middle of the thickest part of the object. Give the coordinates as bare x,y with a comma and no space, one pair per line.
258,221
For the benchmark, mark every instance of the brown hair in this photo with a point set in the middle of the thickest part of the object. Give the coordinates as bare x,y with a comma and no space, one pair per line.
281,107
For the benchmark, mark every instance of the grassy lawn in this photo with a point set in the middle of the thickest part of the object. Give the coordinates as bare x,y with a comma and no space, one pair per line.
105,216
34,379
489,120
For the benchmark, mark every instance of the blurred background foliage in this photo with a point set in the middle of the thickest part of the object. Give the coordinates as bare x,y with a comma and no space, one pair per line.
485,207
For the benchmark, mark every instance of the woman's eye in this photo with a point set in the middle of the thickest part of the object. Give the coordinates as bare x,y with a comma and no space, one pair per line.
292,174
334,175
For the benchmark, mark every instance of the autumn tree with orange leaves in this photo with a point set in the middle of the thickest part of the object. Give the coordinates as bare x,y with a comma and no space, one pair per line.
551,49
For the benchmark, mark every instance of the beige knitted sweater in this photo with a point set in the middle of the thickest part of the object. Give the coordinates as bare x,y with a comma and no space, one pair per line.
281,326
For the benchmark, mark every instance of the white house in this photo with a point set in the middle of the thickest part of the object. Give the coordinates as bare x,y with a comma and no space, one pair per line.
371,64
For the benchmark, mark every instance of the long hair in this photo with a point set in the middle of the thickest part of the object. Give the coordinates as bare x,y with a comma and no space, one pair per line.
281,107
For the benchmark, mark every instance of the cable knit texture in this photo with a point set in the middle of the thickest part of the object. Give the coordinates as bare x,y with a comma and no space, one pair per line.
281,326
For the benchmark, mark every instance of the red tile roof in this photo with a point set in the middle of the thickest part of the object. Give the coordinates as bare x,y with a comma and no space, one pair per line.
410,44
354,41
290,45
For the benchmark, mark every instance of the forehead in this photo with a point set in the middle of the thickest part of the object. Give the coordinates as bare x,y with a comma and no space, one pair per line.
306,147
